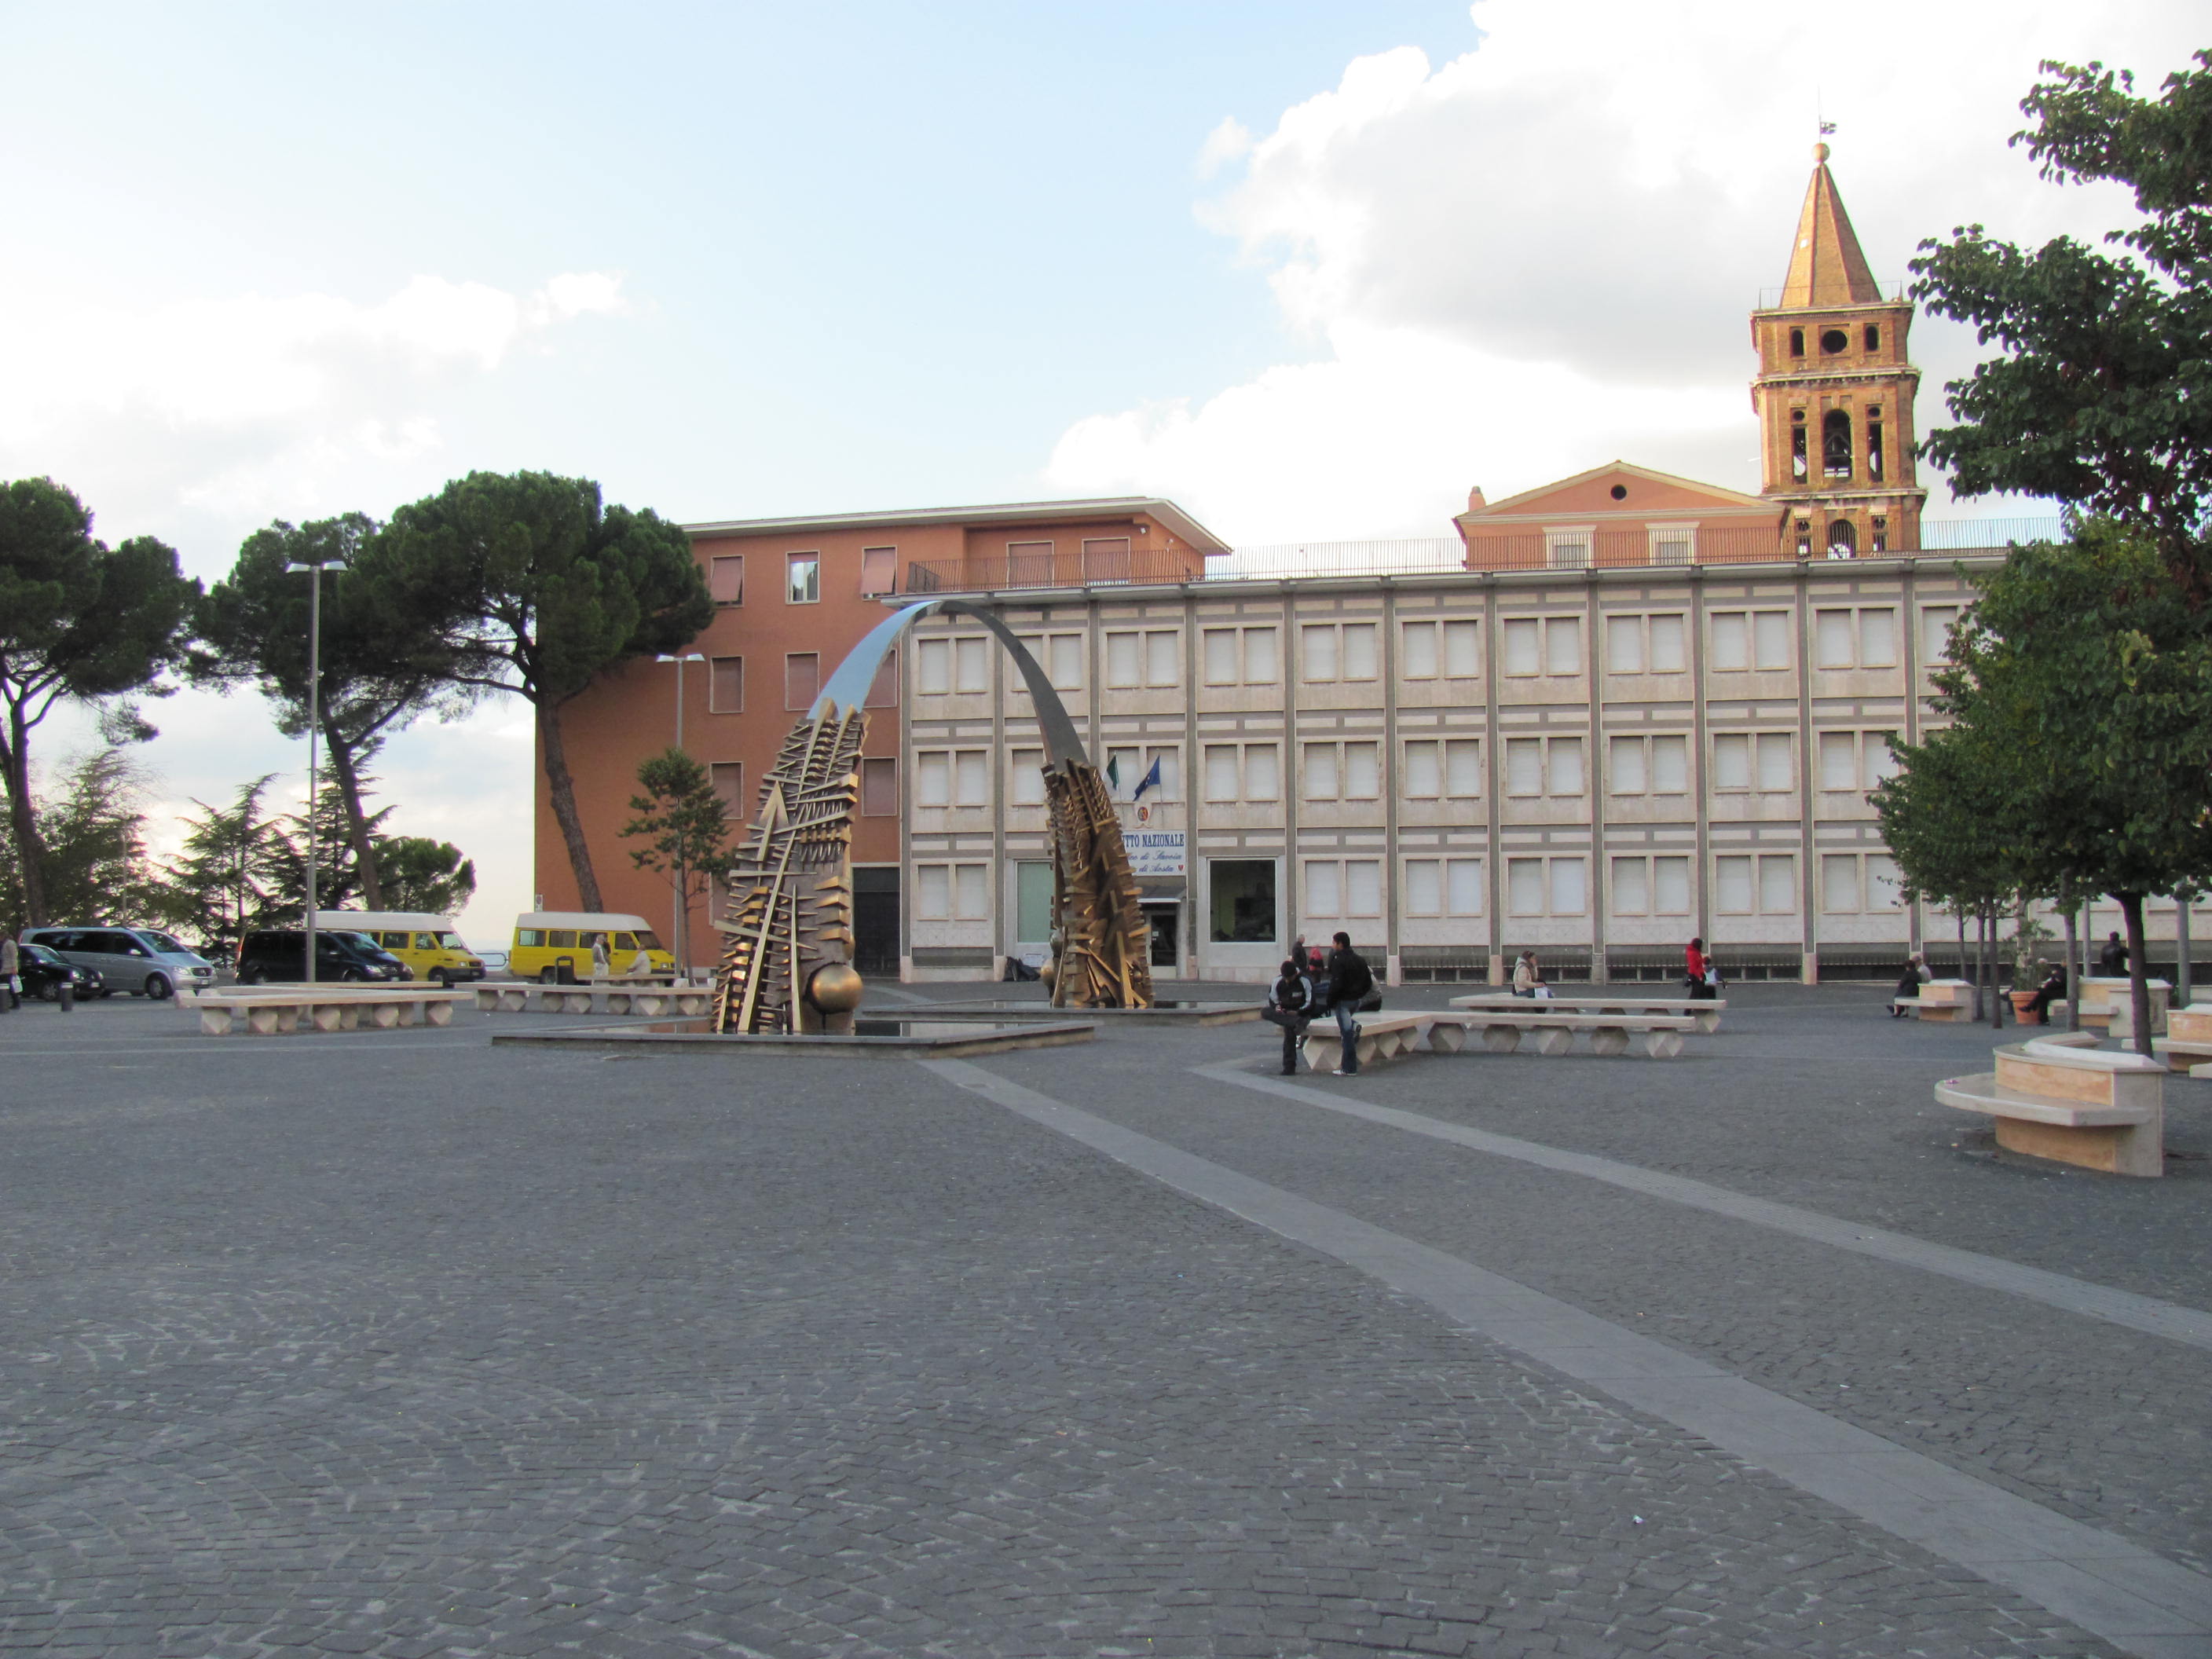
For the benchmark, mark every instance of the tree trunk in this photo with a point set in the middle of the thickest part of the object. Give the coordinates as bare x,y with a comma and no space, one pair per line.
2072,974
364,856
562,788
23,820
1996,974
2138,970
1966,967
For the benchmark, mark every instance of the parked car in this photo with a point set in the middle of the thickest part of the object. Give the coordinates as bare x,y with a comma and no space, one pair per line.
44,970
340,954
144,961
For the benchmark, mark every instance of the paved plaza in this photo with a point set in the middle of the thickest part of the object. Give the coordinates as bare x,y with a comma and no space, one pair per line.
402,1344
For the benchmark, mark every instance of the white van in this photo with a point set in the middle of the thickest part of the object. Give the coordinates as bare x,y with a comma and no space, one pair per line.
430,944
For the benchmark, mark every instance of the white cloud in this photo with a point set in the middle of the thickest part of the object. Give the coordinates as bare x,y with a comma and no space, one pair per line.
1541,255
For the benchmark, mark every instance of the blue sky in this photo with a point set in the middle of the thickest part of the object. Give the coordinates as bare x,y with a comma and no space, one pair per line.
1312,270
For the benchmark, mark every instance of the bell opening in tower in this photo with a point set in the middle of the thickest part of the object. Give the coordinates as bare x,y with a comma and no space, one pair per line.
1843,540
1797,451
1836,444
1874,442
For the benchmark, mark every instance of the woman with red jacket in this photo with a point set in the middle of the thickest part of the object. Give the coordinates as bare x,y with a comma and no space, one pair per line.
1693,960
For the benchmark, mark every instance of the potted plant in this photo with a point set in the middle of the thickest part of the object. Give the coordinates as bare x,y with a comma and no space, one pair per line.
2029,937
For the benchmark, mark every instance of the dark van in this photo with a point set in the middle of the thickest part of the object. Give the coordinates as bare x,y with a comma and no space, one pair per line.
281,954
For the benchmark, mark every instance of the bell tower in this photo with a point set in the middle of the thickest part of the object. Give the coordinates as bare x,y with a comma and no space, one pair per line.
1834,394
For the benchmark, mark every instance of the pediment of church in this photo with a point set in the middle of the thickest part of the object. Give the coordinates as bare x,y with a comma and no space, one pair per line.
1618,490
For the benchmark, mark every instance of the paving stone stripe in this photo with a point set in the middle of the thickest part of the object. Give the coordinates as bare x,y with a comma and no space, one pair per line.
2192,1325
2134,1598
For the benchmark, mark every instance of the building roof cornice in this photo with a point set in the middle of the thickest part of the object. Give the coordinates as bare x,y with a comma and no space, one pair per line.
1090,509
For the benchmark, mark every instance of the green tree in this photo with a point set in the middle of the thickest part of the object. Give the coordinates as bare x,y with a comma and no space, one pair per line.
542,589
2098,398
91,831
220,884
2081,692
381,665
686,828
419,873
79,622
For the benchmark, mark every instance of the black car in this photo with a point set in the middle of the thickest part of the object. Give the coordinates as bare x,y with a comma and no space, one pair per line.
281,954
45,971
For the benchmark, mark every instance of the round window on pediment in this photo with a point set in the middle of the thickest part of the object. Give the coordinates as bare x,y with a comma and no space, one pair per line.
1620,492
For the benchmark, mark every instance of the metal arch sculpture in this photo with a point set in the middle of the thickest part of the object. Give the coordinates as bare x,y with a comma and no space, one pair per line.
788,926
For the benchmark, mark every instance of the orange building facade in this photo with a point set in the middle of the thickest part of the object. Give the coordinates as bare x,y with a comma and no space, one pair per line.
791,597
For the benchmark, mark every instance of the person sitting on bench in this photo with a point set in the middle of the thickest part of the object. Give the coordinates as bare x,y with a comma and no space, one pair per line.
1909,982
2052,989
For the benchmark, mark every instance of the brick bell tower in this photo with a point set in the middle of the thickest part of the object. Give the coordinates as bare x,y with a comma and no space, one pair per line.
1834,394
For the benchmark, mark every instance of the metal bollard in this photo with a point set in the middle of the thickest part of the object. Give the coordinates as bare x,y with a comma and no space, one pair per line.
65,996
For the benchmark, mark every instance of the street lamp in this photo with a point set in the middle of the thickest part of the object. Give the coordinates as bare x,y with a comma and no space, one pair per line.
681,905
314,727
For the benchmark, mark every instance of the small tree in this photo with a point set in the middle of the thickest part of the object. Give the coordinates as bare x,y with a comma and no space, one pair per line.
687,830
220,885
91,834
542,589
419,873
79,622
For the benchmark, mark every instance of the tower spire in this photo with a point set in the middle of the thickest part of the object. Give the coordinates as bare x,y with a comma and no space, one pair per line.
1825,266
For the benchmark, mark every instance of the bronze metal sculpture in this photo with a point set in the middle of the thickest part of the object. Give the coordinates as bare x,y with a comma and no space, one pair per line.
787,959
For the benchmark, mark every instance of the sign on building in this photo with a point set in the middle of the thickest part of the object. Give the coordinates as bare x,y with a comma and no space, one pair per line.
1154,851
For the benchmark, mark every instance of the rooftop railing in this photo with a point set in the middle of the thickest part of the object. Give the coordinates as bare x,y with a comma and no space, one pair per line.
1436,556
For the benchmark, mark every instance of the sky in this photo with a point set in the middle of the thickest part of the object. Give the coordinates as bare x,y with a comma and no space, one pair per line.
1311,270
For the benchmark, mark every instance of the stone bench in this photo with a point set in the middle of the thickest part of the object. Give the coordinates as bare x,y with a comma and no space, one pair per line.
1503,1028
522,997
266,1011
2107,1006
2187,1044
1945,1001
2053,1097
1706,1010
1382,1036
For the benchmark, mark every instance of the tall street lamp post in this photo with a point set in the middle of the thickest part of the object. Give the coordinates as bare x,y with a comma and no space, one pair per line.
314,731
683,901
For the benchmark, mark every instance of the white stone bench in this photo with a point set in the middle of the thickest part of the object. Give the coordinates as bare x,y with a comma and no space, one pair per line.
521,997
2187,1044
1382,1036
2053,1097
2107,1006
1945,1001
1706,1011
266,1011
1503,1028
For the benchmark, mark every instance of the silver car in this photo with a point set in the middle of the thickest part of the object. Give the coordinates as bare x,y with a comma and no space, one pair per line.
144,961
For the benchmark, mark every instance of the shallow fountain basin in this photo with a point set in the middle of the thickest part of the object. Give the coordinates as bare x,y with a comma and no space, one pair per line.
1160,1013
900,1037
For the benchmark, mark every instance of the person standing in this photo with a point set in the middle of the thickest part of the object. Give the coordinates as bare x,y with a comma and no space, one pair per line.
2112,960
1290,1005
600,957
1349,983
11,963
1693,963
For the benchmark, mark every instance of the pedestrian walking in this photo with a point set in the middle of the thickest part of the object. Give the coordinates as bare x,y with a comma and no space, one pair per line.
1290,1005
1350,984
1693,964
600,957
11,967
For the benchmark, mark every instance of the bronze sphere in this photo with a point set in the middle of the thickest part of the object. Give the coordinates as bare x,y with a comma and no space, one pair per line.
835,988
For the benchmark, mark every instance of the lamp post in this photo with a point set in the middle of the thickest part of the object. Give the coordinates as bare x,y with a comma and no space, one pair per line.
682,900
314,731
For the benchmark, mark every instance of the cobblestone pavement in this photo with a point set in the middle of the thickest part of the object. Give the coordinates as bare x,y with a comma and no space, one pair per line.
401,1344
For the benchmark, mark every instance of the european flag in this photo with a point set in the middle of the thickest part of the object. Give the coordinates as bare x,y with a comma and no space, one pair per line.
1151,781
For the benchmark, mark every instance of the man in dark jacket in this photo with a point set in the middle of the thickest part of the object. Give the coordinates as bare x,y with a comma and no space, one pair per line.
1349,983
1290,1005
2112,960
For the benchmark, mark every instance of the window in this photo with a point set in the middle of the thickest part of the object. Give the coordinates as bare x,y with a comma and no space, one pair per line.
933,667
728,778
879,795
1874,467
1106,559
1149,657
1544,766
1438,766
1240,656
1546,887
1241,898
1873,337
1033,900
1935,624
1567,549
1798,466
933,777
1060,655
884,689
1565,767
726,578
1346,771
802,680
1765,884
1744,760
971,666
952,777
1656,765
726,685
1338,888
971,777
802,578
1168,759
1797,341
1543,645
1026,777
952,892
1835,435
1443,887
1028,564
878,570
1656,887
1744,640
1646,645
1524,766
1865,637
1843,540
1241,772
1446,649
1339,651
1854,760
1674,544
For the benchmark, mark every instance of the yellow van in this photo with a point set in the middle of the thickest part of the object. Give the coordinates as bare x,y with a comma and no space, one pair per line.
430,945
546,941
